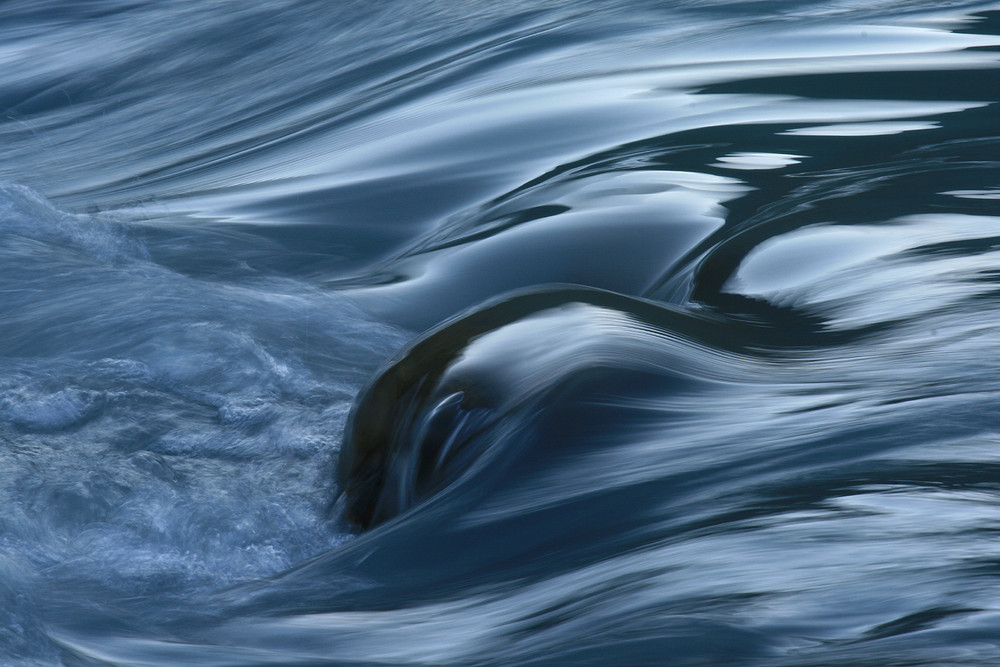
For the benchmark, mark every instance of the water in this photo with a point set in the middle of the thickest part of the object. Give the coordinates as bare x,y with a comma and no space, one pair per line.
761,430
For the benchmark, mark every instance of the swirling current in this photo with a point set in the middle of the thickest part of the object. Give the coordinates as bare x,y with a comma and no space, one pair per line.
446,332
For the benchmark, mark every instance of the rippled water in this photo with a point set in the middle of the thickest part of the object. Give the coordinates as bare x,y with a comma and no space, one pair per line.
669,331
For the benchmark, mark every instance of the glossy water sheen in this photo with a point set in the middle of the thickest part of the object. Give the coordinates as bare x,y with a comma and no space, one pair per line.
771,439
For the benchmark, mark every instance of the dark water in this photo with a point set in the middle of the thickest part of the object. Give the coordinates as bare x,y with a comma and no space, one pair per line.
769,435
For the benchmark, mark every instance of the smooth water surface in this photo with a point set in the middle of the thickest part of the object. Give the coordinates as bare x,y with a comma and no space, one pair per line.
762,431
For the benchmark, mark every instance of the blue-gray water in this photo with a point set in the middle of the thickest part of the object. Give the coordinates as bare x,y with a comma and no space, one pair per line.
772,438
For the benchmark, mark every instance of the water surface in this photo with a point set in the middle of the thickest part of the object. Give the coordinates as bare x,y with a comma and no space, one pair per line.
762,431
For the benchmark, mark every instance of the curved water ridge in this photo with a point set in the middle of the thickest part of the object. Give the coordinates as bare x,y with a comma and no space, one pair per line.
708,292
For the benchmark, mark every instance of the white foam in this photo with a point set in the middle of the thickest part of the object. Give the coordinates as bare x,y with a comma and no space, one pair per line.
27,214
32,409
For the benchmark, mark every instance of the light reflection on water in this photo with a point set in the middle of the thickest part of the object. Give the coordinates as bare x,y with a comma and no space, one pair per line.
772,441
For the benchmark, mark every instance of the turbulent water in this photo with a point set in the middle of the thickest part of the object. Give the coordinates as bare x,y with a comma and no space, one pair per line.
762,430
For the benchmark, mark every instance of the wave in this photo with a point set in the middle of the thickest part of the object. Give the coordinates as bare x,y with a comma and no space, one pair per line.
706,370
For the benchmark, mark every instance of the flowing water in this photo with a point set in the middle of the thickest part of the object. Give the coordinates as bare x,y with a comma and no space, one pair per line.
769,434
